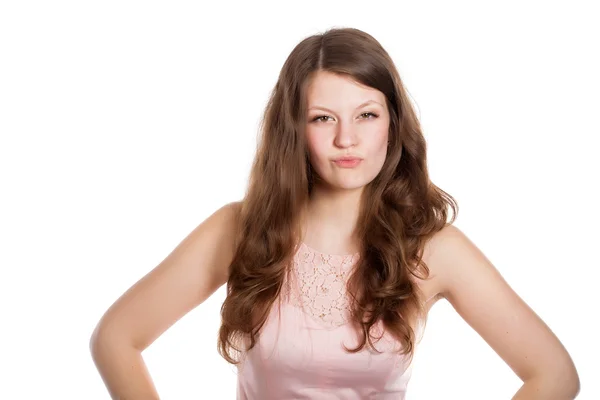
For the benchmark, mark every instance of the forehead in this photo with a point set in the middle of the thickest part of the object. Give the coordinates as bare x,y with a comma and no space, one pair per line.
326,88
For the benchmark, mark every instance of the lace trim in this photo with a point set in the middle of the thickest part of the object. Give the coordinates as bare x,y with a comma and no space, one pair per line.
317,284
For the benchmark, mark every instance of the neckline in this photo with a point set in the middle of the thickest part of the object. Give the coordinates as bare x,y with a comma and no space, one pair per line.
302,243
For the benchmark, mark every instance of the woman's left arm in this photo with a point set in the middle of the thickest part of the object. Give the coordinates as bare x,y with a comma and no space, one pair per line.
483,298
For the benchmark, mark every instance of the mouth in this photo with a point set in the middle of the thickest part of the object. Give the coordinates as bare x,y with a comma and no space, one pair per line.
347,158
347,162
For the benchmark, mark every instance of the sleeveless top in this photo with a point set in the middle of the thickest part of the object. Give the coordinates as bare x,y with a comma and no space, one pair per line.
299,352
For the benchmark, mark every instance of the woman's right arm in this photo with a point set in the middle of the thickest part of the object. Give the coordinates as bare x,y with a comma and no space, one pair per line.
192,272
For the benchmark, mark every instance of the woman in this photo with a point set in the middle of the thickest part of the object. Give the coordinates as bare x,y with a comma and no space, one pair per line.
335,255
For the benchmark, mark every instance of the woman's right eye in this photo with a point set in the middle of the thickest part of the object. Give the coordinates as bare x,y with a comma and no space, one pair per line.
319,118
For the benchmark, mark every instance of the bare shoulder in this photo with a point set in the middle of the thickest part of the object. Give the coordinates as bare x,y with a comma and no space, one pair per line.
209,249
450,243
434,253
185,278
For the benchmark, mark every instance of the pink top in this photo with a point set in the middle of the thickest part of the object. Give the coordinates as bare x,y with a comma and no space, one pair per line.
300,354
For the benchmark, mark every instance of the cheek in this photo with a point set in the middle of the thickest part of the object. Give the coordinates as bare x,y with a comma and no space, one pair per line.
317,149
380,154
378,149
379,143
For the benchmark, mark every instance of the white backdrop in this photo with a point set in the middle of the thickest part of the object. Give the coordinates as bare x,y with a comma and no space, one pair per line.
124,124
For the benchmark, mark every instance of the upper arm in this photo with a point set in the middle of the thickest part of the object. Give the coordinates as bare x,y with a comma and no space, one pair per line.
481,296
194,270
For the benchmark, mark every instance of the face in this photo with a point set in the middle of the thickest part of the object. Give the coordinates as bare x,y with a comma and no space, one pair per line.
346,118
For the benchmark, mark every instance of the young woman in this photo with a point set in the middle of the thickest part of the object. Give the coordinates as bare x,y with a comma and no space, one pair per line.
335,255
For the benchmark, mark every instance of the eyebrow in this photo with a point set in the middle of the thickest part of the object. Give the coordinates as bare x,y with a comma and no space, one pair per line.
362,105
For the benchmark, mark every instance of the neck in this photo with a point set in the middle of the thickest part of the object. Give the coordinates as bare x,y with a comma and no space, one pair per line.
330,218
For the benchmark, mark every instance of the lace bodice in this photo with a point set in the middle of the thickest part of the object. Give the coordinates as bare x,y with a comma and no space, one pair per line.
317,284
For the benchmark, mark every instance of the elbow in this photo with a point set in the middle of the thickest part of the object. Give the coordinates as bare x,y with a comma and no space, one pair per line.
570,379
574,387
97,344
568,385
563,385
98,337
103,340
569,391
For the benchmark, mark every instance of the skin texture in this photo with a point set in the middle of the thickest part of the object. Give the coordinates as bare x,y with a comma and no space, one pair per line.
336,127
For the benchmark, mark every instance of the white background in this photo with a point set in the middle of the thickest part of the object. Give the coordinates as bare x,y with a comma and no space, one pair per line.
125,124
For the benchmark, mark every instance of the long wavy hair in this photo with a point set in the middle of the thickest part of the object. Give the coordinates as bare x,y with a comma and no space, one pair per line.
400,208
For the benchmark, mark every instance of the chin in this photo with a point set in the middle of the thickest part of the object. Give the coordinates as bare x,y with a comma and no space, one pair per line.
354,185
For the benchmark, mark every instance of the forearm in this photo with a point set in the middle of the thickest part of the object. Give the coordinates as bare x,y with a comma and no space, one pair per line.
537,388
123,371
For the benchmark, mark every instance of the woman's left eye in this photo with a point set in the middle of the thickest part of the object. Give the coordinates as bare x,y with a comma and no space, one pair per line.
369,113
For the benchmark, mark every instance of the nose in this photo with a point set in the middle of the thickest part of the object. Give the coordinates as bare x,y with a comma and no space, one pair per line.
345,135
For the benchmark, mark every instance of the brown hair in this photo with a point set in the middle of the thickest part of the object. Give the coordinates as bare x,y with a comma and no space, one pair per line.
400,208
